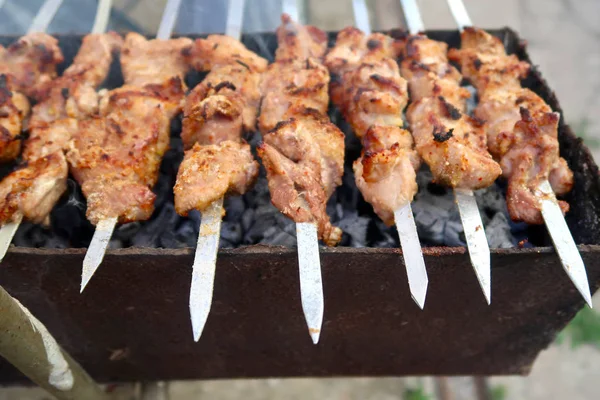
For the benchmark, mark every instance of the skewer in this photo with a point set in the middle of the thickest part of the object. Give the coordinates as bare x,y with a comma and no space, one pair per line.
404,217
40,24
309,262
477,244
553,218
207,247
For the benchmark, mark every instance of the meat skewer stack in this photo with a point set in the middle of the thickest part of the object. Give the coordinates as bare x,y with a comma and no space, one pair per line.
368,89
522,134
116,157
217,161
449,141
33,189
302,151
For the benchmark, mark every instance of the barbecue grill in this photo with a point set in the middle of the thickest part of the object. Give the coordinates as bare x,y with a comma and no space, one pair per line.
136,306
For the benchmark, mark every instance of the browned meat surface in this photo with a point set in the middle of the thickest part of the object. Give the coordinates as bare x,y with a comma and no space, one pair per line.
14,108
292,157
449,141
157,65
303,152
299,42
73,95
222,107
209,172
29,62
216,114
371,94
33,189
292,84
25,65
205,54
522,130
116,157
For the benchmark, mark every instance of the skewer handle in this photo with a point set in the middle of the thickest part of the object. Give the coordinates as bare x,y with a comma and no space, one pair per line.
311,283
413,255
412,15
460,14
563,241
44,16
102,16
361,16
169,18
235,17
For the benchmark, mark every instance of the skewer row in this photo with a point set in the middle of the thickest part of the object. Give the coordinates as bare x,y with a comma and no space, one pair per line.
168,92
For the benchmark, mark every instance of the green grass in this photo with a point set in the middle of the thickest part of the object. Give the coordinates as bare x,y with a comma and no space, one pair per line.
498,392
584,329
416,394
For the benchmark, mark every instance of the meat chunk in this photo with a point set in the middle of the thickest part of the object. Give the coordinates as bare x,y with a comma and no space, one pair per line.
157,65
292,85
221,107
14,108
209,172
299,42
33,189
452,144
73,95
219,50
30,62
385,172
292,158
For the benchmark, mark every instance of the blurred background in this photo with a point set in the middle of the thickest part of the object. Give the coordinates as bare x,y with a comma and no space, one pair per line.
564,42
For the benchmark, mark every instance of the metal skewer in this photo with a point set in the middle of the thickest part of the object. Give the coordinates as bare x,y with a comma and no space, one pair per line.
404,217
205,258
104,229
309,262
553,218
40,24
477,244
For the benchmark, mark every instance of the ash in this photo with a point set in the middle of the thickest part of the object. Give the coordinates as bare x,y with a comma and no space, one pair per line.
252,219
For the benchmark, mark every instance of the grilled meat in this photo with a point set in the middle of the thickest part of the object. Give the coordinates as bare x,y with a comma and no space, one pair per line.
371,94
299,42
219,50
29,62
292,84
24,66
209,172
522,130
303,152
216,114
33,189
156,65
73,95
449,141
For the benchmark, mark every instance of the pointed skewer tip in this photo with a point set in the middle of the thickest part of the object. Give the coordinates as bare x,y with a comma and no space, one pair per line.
314,334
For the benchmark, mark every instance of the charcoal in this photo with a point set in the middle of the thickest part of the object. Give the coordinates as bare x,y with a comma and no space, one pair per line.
498,232
127,232
232,232
355,227
187,234
115,244
280,238
235,208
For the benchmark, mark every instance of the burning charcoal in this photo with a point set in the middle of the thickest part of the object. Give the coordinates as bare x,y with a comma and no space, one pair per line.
115,244
281,239
232,232
127,232
264,218
162,224
56,242
168,240
235,208
355,226
498,232
247,218
224,244
187,234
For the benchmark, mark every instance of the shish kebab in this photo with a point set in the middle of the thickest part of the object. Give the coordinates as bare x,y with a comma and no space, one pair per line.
32,190
451,143
522,135
302,151
217,160
368,89
116,157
